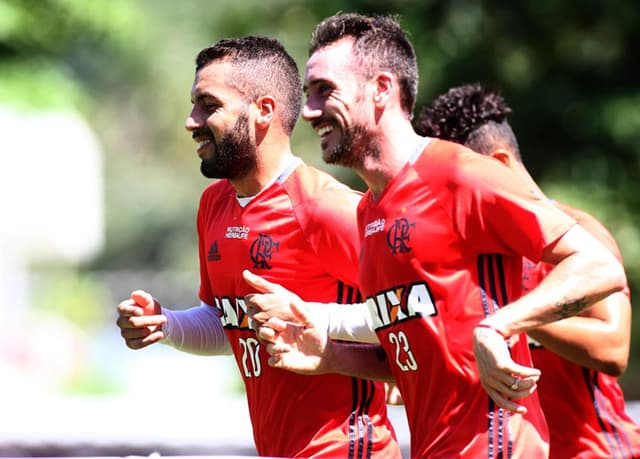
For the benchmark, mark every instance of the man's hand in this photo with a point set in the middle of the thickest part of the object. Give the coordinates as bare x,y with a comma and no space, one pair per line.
503,379
273,300
140,320
298,346
394,397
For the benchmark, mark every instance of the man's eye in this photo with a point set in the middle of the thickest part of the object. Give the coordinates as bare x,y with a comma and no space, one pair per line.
324,89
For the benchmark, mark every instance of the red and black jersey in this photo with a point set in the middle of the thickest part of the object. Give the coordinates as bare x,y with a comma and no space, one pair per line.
300,232
442,249
585,409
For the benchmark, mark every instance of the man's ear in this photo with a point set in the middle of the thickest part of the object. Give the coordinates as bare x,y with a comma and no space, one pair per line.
266,110
384,86
504,156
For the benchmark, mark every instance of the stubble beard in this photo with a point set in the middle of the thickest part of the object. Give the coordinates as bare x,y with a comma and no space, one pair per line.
234,156
358,143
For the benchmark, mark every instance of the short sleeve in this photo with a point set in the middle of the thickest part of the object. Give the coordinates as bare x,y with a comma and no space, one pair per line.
493,209
333,233
327,212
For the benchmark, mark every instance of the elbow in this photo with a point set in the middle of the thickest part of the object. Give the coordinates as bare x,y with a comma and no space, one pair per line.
616,279
621,284
614,362
614,368
619,277
618,358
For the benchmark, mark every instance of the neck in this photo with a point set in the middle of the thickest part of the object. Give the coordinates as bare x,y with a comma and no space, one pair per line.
270,162
397,144
524,174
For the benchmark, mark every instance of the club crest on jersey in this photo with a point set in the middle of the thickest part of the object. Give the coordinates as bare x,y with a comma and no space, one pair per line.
401,303
233,312
398,236
261,251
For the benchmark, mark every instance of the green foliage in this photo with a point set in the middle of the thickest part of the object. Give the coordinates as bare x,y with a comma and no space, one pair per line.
28,86
62,48
566,68
92,381
75,295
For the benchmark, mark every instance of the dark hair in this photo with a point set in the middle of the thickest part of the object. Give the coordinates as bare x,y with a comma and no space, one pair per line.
261,66
380,44
471,115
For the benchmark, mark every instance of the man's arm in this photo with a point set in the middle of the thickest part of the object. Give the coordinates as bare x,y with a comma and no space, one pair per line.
585,273
304,347
346,322
197,330
297,339
598,339
307,337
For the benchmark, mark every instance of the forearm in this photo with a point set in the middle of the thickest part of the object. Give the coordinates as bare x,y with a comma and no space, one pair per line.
350,322
580,279
197,330
600,343
367,361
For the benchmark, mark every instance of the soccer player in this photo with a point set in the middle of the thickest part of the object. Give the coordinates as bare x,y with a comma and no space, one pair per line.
443,231
293,224
580,357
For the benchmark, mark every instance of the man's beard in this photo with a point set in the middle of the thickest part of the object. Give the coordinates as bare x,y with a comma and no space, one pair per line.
357,143
234,156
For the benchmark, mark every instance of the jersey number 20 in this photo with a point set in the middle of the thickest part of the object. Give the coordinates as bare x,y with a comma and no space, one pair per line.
250,357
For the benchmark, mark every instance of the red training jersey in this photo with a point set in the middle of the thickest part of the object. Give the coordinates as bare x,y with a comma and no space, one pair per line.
300,232
587,418
441,249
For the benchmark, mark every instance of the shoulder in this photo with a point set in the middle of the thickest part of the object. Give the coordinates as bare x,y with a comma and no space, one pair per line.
443,153
220,190
320,201
593,226
217,186
308,186
447,167
449,161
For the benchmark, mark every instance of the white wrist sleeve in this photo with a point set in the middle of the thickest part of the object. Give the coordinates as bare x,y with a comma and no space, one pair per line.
197,330
350,322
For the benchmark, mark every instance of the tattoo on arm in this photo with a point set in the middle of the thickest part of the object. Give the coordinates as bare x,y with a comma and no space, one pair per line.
564,309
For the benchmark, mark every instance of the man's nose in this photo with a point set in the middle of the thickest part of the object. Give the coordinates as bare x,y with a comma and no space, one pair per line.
311,111
193,121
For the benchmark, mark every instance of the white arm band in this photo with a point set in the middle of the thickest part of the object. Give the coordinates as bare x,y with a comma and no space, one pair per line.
350,322
197,330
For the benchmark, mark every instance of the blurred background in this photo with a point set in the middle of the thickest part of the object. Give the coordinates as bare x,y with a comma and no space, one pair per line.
99,185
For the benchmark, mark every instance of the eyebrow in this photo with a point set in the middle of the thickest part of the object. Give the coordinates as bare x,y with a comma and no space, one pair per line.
202,96
315,82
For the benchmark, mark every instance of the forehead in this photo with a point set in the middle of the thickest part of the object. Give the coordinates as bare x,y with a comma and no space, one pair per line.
212,80
331,63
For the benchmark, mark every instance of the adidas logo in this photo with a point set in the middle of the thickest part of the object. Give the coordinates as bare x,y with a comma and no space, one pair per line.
213,254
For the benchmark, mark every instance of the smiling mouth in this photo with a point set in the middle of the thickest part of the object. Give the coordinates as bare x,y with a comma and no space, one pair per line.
324,130
202,146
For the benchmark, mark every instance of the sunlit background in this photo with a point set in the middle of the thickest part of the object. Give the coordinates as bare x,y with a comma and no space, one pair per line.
99,185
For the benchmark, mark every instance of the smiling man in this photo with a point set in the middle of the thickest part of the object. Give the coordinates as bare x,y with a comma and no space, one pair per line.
292,223
587,418
443,232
